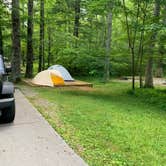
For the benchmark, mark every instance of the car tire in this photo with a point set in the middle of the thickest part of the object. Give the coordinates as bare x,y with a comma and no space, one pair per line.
8,114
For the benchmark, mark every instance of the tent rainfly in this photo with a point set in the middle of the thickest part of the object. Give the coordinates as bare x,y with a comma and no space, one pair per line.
63,71
48,78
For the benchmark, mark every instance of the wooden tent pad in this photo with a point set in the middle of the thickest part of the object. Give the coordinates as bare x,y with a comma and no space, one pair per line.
67,83
78,83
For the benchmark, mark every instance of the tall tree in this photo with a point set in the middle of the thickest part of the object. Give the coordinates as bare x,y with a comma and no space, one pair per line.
16,49
41,46
149,66
49,46
108,41
77,18
131,34
141,43
29,58
161,49
23,19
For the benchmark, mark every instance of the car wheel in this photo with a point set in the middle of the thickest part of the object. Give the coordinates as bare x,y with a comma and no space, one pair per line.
8,114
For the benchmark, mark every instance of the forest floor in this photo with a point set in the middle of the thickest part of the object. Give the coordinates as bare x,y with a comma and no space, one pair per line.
109,124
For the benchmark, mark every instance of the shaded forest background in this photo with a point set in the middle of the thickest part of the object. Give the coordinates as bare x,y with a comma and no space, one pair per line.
103,38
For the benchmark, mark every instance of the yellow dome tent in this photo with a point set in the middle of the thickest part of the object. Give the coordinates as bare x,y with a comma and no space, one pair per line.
48,78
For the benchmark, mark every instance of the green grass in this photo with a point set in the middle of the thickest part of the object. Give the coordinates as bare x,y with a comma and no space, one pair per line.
109,125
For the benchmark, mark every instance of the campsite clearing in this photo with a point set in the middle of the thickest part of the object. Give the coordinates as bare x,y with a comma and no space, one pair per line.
109,125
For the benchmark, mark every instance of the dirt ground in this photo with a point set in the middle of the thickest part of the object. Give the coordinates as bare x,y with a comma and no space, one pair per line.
157,81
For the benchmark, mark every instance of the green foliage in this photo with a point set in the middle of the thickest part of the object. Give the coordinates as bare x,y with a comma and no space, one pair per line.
81,62
155,97
87,58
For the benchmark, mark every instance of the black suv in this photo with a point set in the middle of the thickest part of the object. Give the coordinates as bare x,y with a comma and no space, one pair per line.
7,102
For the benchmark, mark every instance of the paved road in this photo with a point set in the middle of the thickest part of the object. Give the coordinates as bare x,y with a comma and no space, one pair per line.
31,141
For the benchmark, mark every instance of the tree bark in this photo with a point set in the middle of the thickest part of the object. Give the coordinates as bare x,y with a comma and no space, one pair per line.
159,70
141,47
149,67
29,58
41,47
108,44
23,29
77,18
16,48
49,45
131,39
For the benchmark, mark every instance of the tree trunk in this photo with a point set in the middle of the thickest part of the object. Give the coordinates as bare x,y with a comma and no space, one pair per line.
16,49
140,53
1,41
77,18
23,58
159,70
149,67
49,46
41,47
29,58
141,47
108,44
131,39
23,29
149,73
141,60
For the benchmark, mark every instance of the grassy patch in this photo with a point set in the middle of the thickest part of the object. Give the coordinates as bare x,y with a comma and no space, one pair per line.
108,125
